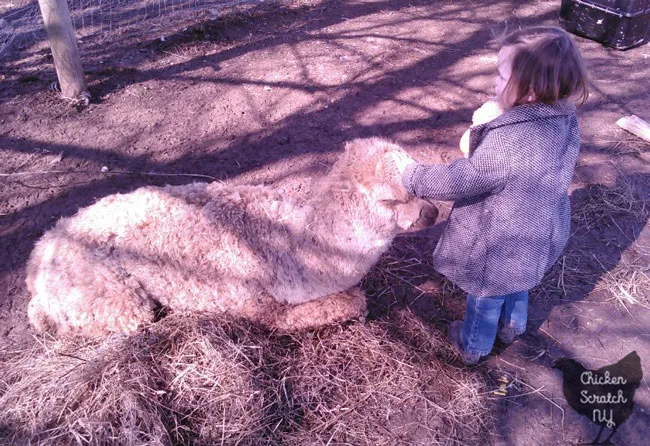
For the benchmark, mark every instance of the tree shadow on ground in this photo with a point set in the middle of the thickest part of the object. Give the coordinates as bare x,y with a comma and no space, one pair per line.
258,27
607,221
319,131
406,269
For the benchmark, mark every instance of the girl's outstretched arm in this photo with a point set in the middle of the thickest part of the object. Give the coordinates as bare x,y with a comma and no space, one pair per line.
486,171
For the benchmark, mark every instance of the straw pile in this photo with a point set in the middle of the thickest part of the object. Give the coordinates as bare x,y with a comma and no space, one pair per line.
210,380
603,253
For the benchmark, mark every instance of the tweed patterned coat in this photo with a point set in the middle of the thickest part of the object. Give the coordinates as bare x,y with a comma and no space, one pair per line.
511,214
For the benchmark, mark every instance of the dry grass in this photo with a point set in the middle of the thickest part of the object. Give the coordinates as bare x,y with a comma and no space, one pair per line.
628,283
207,379
606,204
626,145
405,275
603,253
179,380
386,383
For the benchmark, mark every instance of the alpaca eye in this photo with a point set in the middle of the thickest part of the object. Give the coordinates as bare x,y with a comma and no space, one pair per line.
390,202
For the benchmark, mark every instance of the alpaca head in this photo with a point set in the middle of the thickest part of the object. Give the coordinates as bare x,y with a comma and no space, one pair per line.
367,167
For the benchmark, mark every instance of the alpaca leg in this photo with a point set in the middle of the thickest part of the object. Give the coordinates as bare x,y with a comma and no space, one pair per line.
84,294
118,307
331,309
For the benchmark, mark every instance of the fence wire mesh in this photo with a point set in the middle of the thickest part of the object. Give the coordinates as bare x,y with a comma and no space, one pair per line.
21,21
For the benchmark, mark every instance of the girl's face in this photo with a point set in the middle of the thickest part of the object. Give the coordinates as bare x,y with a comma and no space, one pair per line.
504,70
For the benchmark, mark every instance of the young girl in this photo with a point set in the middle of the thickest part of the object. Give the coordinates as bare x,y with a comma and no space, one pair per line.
511,214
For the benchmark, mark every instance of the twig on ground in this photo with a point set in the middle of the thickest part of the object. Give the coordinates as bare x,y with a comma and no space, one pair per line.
107,172
539,392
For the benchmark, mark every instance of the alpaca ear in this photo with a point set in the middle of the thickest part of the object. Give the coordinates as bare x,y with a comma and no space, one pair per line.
381,168
387,169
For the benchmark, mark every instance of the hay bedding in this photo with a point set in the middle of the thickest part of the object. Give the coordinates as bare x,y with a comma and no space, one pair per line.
211,380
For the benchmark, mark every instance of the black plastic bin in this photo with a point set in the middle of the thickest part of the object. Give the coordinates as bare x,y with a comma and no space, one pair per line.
621,24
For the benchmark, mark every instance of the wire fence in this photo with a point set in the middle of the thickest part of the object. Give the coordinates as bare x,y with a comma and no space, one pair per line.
20,20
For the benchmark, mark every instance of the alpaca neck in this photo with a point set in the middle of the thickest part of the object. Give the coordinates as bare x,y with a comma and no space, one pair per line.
341,239
353,233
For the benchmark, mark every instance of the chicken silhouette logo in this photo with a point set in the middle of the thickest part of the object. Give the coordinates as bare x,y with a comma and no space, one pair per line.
605,396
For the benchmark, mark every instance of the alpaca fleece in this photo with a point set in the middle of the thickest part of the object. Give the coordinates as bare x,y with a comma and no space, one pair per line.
251,251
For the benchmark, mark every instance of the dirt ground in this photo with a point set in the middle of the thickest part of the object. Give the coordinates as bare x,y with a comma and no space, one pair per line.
270,95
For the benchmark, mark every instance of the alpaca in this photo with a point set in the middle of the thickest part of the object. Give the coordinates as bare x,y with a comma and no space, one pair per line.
248,250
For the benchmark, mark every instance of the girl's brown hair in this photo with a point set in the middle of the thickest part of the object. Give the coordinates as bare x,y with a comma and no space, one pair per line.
546,64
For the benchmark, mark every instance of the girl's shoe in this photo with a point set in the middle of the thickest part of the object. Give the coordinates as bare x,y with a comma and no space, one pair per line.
455,329
507,335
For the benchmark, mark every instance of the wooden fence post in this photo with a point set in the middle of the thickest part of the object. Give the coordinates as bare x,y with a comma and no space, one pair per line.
65,51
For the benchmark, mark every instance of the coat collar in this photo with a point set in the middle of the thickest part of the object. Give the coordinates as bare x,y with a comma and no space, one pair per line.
532,112
519,113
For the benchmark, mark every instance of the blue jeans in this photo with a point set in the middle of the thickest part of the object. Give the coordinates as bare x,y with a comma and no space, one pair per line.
486,315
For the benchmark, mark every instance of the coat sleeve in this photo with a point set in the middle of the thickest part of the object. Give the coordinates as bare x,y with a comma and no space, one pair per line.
485,171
